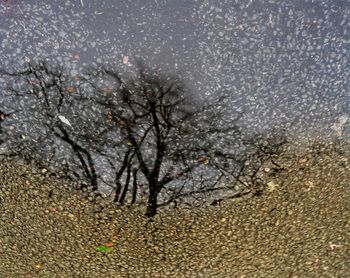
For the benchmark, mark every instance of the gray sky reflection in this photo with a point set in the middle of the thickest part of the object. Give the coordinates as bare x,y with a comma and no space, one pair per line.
282,61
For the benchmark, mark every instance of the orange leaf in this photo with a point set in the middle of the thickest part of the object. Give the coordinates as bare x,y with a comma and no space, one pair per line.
70,89
202,159
110,117
122,123
109,244
107,90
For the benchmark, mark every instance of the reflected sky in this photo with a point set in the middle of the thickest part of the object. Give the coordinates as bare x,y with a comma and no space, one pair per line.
282,61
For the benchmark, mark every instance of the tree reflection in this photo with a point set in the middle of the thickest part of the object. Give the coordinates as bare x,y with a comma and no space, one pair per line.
154,136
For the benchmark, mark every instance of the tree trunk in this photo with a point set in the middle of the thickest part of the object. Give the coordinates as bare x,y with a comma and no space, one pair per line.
152,203
126,186
117,191
134,189
119,174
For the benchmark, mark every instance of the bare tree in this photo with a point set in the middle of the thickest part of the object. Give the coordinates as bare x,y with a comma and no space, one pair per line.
151,131
163,133
46,91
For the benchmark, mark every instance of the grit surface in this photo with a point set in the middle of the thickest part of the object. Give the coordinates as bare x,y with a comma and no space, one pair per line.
299,227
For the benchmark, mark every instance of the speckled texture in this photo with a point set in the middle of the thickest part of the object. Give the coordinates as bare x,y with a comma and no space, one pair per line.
298,228
283,64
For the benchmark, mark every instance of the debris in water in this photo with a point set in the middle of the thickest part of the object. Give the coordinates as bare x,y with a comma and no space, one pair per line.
125,60
64,120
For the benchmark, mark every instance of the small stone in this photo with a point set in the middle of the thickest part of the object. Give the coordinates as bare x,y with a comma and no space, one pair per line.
272,186
303,160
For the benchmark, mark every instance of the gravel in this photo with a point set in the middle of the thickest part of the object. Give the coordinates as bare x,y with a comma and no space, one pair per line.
298,228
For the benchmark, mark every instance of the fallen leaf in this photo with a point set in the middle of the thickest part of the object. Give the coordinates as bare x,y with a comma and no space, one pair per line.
303,160
103,248
2,116
110,118
107,90
334,246
122,123
70,89
272,186
309,185
109,244
202,159
64,120
125,60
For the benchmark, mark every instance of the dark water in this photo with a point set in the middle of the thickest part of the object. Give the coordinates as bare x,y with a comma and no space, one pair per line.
282,62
